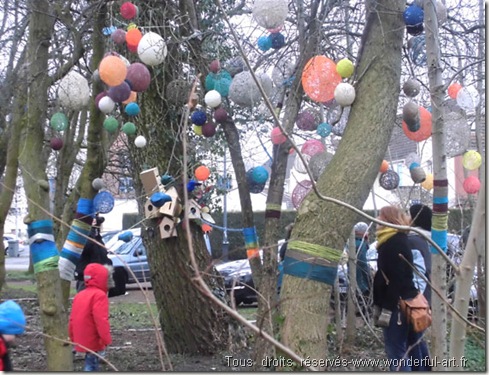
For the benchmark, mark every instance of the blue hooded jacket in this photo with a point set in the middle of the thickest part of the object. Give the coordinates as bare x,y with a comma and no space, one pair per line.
12,319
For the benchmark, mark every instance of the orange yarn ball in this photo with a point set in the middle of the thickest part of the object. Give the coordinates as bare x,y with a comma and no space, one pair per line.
112,70
133,37
206,228
453,90
424,131
132,98
202,173
384,166
320,78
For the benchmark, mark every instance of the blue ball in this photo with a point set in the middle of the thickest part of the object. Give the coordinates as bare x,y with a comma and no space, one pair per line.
323,129
413,15
132,109
103,202
199,118
413,165
166,179
264,43
158,199
260,175
126,236
278,40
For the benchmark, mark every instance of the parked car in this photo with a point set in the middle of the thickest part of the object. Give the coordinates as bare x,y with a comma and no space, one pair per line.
238,280
128,259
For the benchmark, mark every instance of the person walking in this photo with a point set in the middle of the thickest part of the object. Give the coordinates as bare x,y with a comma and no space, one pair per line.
392,281
12,323
89,326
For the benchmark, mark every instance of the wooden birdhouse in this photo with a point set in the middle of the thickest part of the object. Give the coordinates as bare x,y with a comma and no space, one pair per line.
151,180
172,208
193,210
168,228
150,211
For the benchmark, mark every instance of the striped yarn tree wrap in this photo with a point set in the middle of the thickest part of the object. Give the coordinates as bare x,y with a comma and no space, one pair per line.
72,249
42,246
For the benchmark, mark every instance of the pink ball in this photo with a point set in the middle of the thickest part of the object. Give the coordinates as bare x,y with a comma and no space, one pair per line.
220,115
300,191
209,129
128,10
215,66
277,136
56,144
138,77
472,185
119,36
312,147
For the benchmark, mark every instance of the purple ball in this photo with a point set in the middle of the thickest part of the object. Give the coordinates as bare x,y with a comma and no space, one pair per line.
120,93
306,121
138,76
220,115
209,129
56,143
100,96
118,36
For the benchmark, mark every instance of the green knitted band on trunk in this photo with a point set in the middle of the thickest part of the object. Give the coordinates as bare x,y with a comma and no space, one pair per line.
46,264
439,222
315,250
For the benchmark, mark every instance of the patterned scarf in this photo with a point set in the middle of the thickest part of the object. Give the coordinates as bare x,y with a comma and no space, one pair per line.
384,234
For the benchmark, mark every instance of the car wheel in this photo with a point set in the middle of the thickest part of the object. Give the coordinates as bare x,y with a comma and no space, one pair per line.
120,280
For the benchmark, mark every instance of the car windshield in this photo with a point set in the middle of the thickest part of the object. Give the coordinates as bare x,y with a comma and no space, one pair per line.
121,247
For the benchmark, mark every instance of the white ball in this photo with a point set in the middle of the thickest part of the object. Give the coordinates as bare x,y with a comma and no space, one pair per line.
152,49
106,104
213,98
98,183
244,91
344,94
270,14
468,98
140,141
73,91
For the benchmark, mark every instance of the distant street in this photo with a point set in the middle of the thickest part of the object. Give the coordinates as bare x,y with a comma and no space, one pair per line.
20,263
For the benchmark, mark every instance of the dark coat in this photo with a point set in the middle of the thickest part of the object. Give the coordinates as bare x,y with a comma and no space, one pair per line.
92,253
399,274
419,243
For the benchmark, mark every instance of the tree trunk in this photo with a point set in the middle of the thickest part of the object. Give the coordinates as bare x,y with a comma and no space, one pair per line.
440,183
54,316
322,228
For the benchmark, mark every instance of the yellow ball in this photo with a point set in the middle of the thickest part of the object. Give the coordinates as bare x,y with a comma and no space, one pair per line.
428,183
345,68
197,129
472,160
131,26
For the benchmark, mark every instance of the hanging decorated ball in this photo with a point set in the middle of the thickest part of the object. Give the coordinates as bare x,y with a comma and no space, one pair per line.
264,43
198,118
255,187
384,166
208,129
472,160
215,66
411,88
99,96
306,121
424,131
299,166
220,115
244,91
221,82
129,128
413,15
345,68
166,179
112,70
128,10
457,133
108,30
410,115
312,147
202,173
235,65
133,96
324,129
468,98
300,191
344,94
98,183
132,109
282,73
106,104
320,78
427,184
212,98
453,90
277,137
111,124
73,91
140,141
277,40
270,13
389,180
118,36
152,49
133,37
197,129
418,175
56,143
417,50
158,199
138,77
59,121
472,185
318,163
103,202
120,92
260,174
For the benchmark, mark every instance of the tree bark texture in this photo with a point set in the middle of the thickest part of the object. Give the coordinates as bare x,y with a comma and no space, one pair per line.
348,178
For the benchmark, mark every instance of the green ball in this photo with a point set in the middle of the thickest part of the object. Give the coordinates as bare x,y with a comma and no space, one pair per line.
59,121
129,128
345,68
111,124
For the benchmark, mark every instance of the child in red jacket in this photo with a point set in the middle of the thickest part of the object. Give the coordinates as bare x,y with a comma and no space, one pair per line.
89,326
12,323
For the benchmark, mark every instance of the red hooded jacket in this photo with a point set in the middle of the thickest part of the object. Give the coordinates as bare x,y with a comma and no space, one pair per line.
89,325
